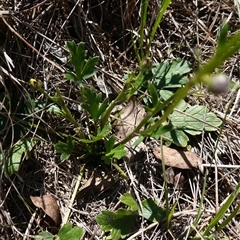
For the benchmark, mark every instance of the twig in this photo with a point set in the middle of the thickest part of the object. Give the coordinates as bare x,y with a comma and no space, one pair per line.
66,217
33,48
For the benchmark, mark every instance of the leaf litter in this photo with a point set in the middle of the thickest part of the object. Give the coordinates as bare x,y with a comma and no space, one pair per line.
48,203
133,113
97,183
177,158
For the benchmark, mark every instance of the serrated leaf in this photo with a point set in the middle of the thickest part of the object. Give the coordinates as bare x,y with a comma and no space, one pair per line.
178,137
71,46
89,68
67,232
77,57
165,94
65,149
119,223
100,135
195,120
116,153
116,234
92,103
171,74
151,211
128,199
84,69
71,76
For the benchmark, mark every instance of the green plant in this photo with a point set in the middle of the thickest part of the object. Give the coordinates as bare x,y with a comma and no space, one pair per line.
144,53
115,222
168,115
16,120
99,138
66,232
167,77
219,221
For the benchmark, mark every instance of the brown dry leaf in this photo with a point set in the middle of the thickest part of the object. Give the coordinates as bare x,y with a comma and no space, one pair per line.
48,203
170,175
132,115
96,183
175,177
178,158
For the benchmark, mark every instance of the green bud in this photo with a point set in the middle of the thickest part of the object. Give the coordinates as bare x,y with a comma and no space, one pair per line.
146,63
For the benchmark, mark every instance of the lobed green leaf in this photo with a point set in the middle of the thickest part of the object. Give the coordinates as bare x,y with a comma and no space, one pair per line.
119,223
151,211
15,155
65,148
67,232
128,199
195,120
170,74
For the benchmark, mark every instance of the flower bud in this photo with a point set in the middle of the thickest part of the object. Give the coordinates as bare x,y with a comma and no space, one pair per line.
146,63
218,84
35,84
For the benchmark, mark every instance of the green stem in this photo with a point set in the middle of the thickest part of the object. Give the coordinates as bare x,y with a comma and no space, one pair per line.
165,185
116,101
65,109
145,120
177,97
131,86
230,48
144,6
164,5
223,53
122,173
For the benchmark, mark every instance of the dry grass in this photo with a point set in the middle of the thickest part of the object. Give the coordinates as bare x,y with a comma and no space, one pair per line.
34,35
